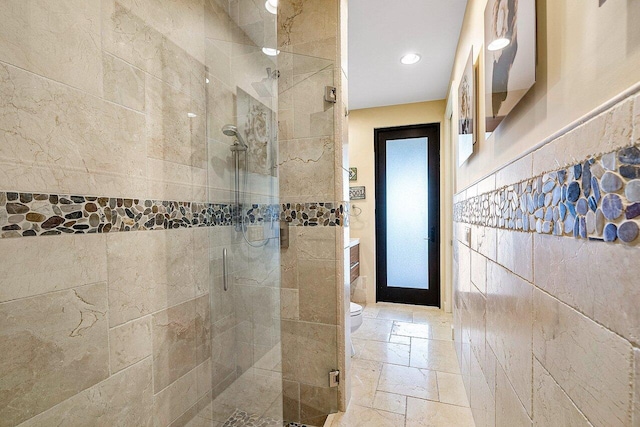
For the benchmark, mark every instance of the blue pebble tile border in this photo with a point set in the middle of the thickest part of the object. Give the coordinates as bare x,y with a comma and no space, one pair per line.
598,199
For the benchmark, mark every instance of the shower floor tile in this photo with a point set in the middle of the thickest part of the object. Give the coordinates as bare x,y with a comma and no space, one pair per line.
244,419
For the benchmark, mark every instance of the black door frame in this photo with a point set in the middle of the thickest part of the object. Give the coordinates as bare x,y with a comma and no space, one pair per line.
429,296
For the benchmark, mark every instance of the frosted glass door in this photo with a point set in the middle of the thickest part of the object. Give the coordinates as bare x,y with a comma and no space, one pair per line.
407,193
406,213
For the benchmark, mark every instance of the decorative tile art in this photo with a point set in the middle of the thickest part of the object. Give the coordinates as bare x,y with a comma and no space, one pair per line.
598,199
37,214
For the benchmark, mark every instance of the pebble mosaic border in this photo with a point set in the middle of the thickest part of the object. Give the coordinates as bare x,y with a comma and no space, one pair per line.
38,214
598,199
314,214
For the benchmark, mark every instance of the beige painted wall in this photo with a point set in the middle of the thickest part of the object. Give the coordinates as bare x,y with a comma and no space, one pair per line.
586,55
361,126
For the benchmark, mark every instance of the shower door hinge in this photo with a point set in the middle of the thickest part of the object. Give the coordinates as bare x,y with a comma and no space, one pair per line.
330,94
334,378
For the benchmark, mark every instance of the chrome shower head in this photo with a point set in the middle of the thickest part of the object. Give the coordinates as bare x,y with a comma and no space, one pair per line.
231,130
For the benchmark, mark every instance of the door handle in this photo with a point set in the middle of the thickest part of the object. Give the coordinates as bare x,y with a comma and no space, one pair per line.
225,270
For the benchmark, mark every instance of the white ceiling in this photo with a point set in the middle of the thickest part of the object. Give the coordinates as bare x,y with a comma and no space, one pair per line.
382,31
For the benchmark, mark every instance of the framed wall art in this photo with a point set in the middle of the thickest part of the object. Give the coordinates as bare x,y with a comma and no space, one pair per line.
466,112
353,174
510,56
357,193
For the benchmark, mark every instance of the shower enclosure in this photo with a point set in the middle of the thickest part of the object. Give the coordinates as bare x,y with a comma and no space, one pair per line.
141,173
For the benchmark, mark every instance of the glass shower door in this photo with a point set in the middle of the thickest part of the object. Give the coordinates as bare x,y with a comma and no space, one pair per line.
274,329
244,253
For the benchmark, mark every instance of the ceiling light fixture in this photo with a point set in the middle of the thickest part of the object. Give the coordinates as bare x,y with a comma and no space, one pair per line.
410,58
271,6
269,51
192,115
498,44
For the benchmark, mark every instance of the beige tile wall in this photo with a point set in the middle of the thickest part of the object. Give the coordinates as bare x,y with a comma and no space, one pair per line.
547,327
131,328
309,325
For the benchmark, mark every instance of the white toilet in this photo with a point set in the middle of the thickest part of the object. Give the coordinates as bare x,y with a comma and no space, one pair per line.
356,320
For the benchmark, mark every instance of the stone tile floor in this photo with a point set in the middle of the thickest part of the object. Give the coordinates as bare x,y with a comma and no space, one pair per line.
405,371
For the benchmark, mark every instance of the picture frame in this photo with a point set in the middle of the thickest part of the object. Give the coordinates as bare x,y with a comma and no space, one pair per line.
466,111
509,57
357,193
353,174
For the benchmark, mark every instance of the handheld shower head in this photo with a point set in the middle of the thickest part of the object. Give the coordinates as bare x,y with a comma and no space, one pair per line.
231,130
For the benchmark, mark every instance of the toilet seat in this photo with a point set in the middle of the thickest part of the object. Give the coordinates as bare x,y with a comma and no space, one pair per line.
355,309
356,321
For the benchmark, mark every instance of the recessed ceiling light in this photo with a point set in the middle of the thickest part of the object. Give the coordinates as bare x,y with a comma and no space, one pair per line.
410,58
498,44
192,115
271,6
269,51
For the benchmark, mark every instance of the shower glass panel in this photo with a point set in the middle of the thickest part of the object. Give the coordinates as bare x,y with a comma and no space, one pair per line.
306,175
245,311
244,285
268,365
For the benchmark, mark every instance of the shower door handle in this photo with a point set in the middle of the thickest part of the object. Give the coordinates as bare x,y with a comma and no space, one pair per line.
225,270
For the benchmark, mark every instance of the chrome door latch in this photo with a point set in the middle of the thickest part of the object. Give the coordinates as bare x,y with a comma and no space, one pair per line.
334,378
331,94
